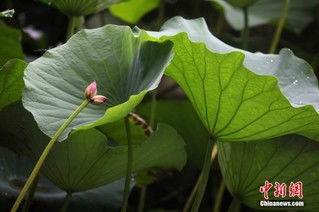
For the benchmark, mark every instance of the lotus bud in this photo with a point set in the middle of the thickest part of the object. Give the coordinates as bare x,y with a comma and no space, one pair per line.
98,99
90,93
91,90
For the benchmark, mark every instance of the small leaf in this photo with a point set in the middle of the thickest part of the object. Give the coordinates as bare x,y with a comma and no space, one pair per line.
300,13
182,116
11,82
124,65
81,7
132,11
275,96
85,160
10,44
246,167
7,13
115,131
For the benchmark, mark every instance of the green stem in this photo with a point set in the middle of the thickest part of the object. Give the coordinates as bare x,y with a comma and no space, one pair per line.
192,195
220,24
211,153
71,27
245,32
195,188
44,155
153,109
29,198
102,18
66,202
161,14
235,206
142,199
129,165
219,197
280,27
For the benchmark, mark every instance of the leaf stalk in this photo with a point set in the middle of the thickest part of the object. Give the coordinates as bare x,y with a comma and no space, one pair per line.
211,152
245,32
66,202
141,203
29,198
280,27
129,165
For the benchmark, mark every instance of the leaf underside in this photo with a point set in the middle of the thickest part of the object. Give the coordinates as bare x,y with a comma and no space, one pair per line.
239,95
234,103
125,66
246,167
81,7
11,82
300,13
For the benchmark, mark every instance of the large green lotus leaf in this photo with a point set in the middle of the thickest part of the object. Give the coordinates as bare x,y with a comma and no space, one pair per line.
11,82
125,66
7,13
300,13
81,7
10,46
242,96
181,116
85,160
246,167
15,170
132,11
242,3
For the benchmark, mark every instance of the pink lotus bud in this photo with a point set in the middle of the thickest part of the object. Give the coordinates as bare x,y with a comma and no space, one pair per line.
98,99
91,90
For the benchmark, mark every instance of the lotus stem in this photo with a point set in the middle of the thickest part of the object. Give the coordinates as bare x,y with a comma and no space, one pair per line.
192,195
245,32
280,27
161,14
129,165
44,155
210,155
141,203
211,152
219,197
153,109
75,23
29,198
66,202
71,27
235,206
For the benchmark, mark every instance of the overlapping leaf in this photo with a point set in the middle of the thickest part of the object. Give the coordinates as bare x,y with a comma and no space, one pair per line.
246,167
10,46
115,132
273,96
85,160
11,82
242,3
182,117
132,11
300,13
124,65
81,7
